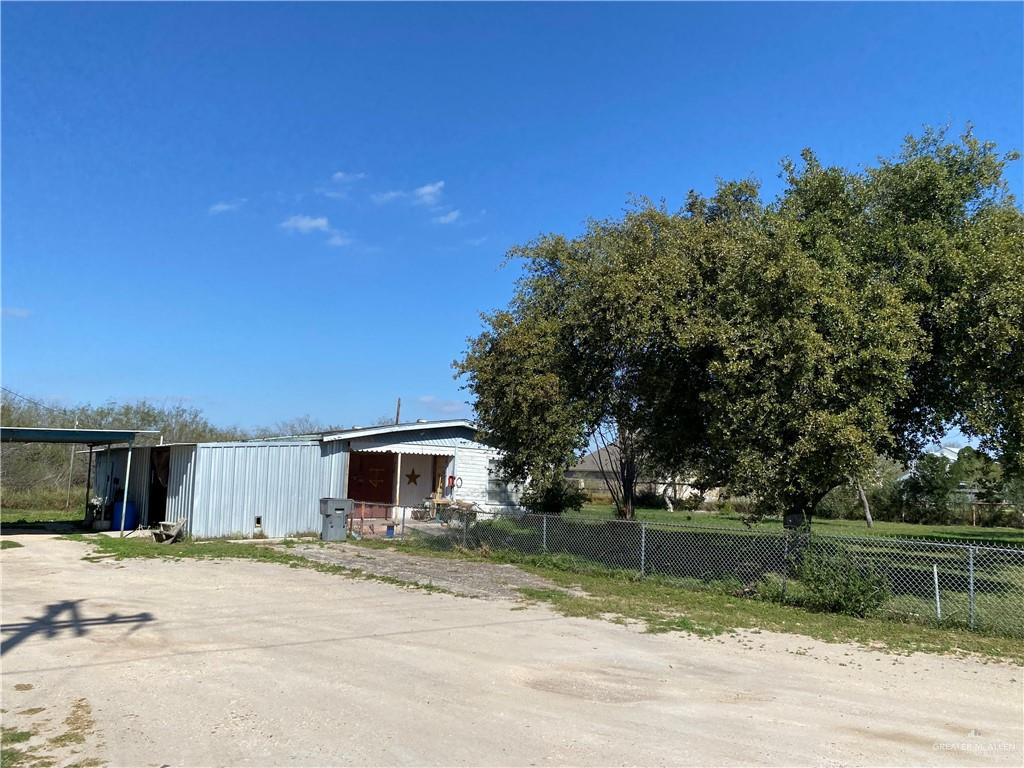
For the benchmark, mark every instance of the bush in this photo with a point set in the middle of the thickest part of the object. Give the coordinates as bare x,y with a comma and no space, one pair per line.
740,506
926,494
649,499
834,582
841,503
553,498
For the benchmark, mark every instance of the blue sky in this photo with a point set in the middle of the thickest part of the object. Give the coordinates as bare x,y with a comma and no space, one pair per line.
274,210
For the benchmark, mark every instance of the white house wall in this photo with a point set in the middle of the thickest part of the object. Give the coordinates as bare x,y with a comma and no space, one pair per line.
472,466
423,466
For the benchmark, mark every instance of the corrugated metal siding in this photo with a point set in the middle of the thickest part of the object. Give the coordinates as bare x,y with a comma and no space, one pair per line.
181,478
112,464
237,482
332,470
109,464
138,487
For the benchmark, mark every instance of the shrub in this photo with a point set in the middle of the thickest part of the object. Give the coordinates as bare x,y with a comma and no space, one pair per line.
553,498
833,582
926,494
649,499
839,504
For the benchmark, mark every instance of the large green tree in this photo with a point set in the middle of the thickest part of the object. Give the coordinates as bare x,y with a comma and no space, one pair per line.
775,348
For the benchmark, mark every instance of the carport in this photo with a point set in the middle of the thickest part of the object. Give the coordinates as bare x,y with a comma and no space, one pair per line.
92,438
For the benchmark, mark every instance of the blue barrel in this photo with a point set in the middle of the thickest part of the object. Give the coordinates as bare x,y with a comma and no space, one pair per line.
131,517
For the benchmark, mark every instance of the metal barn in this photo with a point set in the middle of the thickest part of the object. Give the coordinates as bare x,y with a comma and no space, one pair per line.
273,487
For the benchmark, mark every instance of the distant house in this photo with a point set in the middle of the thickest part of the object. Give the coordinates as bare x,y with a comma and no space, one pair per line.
947,452
587,475
273,486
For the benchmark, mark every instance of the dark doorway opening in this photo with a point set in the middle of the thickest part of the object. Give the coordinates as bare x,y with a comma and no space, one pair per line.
159,471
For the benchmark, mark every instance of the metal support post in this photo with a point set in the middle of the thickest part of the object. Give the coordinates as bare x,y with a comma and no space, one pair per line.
643,548
127,481
938,600
970,586
544,532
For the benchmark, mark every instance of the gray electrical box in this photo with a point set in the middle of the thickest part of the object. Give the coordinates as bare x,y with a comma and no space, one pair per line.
335,514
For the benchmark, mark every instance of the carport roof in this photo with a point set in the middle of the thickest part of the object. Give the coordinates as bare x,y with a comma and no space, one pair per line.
71,436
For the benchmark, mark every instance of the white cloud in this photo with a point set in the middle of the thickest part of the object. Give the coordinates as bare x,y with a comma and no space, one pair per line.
19,312
345,177
380,198
306,224
428,194
226,206
340,184
475,241
449,217
339,239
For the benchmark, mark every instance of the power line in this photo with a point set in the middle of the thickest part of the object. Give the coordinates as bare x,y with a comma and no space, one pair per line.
34,402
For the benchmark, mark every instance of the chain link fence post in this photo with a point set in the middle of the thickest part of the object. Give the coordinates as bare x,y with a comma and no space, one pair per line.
643,549
970,586
544,533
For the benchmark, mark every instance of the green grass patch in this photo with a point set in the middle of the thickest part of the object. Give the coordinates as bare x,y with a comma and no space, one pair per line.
14,756
8,544
820,525
127,548
43,498
14,736
662,604
41,518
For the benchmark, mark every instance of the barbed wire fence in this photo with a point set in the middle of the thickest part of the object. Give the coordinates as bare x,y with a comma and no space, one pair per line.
947,583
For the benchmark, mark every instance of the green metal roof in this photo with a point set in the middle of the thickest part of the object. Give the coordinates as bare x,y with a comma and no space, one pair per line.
72,436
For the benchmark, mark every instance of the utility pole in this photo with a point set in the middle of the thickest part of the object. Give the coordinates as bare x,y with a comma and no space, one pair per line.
398,411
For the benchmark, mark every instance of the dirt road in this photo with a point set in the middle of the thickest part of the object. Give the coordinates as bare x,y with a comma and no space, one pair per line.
150,663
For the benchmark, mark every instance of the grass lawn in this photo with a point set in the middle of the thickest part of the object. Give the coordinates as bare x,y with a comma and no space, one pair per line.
664,605
36,518
822,525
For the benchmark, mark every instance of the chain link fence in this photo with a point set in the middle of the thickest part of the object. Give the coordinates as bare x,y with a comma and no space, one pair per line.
961,584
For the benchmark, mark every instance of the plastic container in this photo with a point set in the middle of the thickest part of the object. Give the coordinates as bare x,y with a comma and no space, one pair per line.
131,517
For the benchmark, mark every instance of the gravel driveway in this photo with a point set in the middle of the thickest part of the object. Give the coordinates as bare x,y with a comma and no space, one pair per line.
151,662
461,577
